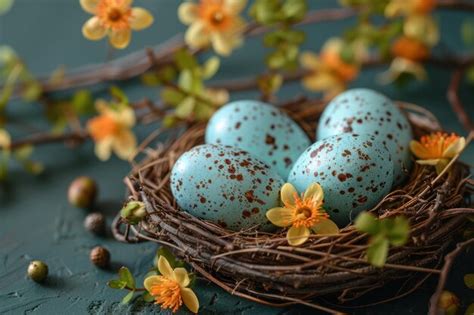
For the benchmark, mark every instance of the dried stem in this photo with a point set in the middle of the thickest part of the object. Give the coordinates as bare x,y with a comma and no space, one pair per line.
455,100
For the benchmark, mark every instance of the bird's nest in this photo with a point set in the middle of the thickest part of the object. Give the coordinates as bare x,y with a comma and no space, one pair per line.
326,272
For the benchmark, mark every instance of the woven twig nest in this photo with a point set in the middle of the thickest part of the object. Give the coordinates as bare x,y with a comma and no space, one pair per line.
262,267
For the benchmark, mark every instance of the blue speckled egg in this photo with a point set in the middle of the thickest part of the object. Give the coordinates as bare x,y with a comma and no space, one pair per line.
261,129
225,185
367,111
355,172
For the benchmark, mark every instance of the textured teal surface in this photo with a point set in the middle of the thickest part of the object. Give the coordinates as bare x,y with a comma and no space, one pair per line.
36,221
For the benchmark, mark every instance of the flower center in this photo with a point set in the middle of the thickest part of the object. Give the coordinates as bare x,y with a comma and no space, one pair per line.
214,14
114,14
167,293
437,143
103,126
307,212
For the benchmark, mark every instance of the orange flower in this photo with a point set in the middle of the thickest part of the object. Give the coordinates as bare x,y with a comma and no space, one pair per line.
410,48
170,290
409,7
215,22
437,149
302,214
114,18
111,131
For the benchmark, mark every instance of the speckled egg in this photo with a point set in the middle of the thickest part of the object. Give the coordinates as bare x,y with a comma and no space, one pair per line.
225,185
367,111
261,129
355,172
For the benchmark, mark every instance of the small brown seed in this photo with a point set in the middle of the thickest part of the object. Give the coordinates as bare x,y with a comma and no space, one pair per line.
95,223
100,257
82,192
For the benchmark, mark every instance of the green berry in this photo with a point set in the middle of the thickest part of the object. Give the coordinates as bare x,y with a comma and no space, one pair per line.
82,192
37,270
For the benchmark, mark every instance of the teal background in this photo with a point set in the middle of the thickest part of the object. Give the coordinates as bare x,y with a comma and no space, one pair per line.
36,221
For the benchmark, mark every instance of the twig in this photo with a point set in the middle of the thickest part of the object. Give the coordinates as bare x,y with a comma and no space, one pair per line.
449,260
455,100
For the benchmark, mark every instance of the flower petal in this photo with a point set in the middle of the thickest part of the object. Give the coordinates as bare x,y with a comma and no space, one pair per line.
190,300
310,60
125,144
93,29
182,277
321,81
125,116
151,281
281,217
235,6
5,139
89,6
297,235
120,39
197,36
164,268
314,192
288,194
103,148
223,45
419,150
141,19
454,148
188,13
325,227
428,162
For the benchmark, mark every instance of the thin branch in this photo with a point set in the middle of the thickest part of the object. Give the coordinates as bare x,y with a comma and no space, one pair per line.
455,100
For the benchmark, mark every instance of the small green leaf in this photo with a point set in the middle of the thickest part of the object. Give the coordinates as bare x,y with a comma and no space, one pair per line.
33,167
23,152
147,297
470,309
185,108
378,251
469,280
127,298
367,223
83,102
172,96
118,94
185,60
5,6
32,91
467,32
210,67
126,276
169,121
150,79
116,284
399,232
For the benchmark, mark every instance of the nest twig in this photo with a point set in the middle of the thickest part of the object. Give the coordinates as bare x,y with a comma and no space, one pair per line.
262,267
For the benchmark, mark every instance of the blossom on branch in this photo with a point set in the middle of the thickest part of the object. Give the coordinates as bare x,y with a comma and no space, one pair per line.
115,19
213,22
111,130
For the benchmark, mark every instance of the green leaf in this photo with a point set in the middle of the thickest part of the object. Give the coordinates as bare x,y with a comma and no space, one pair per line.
150,79
169,121
469,280
116,284
367,223
399,232
185,108
118,94
185,60
470,74
23,152
5,6
203,111
83,102
470,309
126,276
172,96
147,297
210,67
294,10
33,167
32,91
127,298
378,251
467,32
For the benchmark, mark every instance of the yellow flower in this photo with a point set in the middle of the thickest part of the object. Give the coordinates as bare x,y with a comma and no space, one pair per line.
328,72
5,139
408,7
111,131
302,214
213,22
437,149
422,28
170,289
400,66
115,18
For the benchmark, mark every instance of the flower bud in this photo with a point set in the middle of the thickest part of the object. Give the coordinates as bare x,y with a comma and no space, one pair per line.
37,271
82,192
133,212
